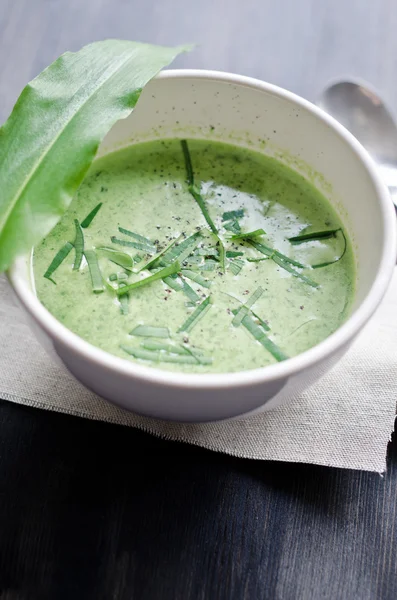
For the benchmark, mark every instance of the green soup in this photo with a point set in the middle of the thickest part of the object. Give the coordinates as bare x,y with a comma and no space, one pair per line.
230,303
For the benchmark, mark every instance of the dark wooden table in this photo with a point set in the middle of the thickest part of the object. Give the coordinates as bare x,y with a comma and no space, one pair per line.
96,511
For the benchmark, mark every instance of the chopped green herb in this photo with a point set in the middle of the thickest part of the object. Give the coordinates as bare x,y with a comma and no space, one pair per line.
152,262
137,236
293,272
149,331
180,251
57,260
315,235
137,245
271,252
152,344
124,300
331,262
115,256
248,235
233,214
161,356
233,226
96,276
257,332
199,279
236,265
233,254
193,189
258,259
90,217
209,265
174,282
243,310
113,277
190,293
196,315
170,270
222,253
79,246
261,322
188,163
208,252
195,192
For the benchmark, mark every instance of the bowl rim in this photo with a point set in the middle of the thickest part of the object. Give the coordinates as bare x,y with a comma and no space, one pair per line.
207,381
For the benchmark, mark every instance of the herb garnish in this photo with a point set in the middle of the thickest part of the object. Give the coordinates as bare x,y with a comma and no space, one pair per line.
96,276
57,260
150,331
90,217
78,245
196,315
193,189
170,270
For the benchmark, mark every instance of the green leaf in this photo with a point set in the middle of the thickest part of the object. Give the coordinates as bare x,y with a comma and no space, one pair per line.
115,256
57,260
50,140
196,315
90,217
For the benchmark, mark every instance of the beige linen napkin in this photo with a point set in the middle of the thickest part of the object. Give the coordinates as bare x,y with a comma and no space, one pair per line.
344,420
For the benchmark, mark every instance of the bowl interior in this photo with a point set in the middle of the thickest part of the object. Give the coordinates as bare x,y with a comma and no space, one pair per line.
262,117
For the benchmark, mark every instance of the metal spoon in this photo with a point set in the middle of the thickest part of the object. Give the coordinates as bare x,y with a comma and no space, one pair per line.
365,115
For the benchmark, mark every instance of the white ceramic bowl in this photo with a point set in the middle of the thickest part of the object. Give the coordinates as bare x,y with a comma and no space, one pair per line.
248,112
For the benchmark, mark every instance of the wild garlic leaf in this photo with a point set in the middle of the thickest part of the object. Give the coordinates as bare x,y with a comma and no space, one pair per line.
53,133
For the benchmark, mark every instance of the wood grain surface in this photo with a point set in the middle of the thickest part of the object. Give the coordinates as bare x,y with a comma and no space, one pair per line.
96,511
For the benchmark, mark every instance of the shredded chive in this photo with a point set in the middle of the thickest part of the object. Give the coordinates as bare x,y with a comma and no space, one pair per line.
124,300
331,262
256,331
118,258
193,189
199,279
152,344
57,260
271,252
180,251
190,293
137,258
233,214
258,259
261,322
243,310
209,265
150,331
315,235
137,236
195,192
188,162
161,356
196,315
222,252
113,277
233,254
233,227
108,286
96,276
174,282
152,262
202,360
293,272
170,270
136,245
248,234
79,246
208,252
90,217
236,265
